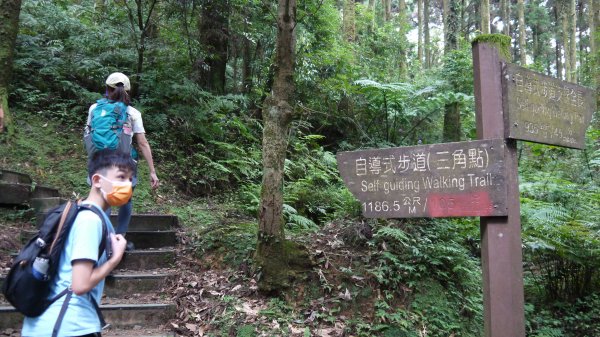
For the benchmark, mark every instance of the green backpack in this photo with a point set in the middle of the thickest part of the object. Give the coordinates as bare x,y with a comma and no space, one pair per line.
105,130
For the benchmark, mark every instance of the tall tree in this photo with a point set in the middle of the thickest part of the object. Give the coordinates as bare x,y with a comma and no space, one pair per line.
214,38
426,34
387,10
564,21
9,27
274,255
596,36
522,43
142,28
559,41
485,16
402,14
452,129
371,5
420,31
505,14
592,24
573,39
349,20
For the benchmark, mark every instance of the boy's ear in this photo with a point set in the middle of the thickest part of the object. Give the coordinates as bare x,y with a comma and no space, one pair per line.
95,180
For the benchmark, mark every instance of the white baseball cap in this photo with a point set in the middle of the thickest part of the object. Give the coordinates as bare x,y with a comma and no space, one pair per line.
116,78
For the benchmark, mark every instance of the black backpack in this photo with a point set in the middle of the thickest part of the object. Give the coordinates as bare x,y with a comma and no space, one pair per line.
28,293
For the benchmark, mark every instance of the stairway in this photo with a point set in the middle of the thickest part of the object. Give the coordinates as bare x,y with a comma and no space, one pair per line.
133,301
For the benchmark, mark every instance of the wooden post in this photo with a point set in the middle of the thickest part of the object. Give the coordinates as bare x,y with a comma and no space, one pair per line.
501,253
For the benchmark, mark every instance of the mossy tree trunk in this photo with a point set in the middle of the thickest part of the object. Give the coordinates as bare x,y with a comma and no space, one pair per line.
9,27
452,127
213,30
275,256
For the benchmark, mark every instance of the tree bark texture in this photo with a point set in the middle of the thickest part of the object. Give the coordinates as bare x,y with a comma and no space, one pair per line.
426,36
592,24
451,25
558,48
420,32
349,20
277,114
214,38
387,10
485,16
402,53
596,55
9,27
564,20
452,129
522,37
505,12
573,39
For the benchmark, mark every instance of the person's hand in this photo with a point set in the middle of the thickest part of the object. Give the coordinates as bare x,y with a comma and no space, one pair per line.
154,181
118,244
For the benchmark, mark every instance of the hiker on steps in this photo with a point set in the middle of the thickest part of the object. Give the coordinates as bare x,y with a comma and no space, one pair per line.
82,268
113,123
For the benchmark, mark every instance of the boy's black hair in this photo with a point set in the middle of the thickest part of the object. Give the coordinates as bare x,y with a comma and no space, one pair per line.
105,159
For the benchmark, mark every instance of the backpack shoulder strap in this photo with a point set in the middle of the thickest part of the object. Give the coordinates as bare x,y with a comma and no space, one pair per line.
103,243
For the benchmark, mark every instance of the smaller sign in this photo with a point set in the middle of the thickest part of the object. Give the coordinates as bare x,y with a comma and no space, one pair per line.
437,180
544,109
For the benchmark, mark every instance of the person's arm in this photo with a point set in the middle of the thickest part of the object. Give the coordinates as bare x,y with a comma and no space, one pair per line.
85,277
144,147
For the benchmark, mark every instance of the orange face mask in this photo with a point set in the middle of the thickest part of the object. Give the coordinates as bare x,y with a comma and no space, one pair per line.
120,194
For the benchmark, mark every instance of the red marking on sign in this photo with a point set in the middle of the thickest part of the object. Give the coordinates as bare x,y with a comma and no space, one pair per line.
459,204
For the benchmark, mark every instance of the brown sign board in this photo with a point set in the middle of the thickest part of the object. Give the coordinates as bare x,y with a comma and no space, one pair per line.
544,109
437,180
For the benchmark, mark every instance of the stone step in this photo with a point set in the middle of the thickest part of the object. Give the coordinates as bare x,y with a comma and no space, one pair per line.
138,331
141,239
44,192
148,222
139,222
124,285
41,205
121,285
142,259
14,193
147,259
14,177
120,316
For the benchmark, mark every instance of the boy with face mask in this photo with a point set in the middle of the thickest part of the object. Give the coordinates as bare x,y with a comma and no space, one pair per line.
79,266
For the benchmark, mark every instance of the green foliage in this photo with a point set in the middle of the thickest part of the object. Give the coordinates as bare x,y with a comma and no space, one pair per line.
398,113
565,319
434,253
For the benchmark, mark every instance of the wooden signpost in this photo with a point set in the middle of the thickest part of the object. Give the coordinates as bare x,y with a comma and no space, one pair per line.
544,109
478,178
439,180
